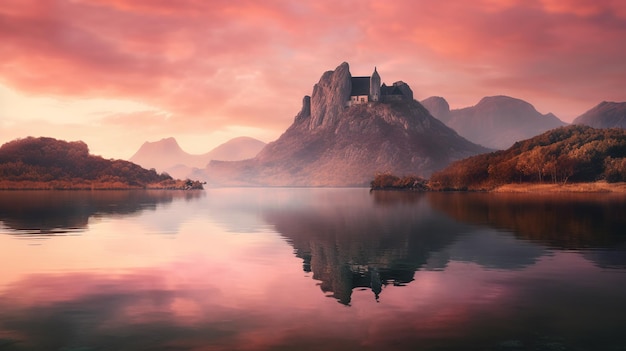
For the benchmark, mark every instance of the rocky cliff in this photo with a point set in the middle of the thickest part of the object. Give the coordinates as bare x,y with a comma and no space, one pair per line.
330,144
496,121
329,97
604,115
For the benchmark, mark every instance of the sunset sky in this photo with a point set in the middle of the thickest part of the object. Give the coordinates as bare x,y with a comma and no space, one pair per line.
116,73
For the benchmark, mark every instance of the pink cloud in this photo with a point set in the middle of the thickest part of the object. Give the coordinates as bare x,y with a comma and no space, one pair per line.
241,62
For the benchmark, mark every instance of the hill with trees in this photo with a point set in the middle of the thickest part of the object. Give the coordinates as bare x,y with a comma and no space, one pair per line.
574,153
47,163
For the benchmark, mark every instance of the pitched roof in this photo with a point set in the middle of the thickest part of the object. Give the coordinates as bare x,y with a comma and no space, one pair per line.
390,90
360,86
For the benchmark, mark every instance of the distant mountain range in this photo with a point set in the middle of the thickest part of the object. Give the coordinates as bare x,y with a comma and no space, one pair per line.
346,133
495,122
340,139
604,115
167,156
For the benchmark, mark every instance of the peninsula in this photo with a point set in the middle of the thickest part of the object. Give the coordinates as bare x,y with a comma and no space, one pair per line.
51,164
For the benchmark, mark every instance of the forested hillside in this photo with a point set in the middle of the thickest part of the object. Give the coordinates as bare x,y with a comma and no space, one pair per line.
47,163
568,154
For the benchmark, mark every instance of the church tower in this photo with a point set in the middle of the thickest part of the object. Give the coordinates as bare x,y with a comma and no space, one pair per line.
375,86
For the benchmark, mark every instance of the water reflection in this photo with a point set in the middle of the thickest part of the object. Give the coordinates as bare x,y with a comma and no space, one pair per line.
591,223
383,240
62,212
562,221
426,271
349,245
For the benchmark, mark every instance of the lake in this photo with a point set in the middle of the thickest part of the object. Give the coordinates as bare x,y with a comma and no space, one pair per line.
311,269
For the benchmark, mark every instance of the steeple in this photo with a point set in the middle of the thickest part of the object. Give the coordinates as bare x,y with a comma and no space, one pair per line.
375,86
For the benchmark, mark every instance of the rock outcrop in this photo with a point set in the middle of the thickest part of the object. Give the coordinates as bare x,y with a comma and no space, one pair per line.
305,111
329,96
338,145
604,115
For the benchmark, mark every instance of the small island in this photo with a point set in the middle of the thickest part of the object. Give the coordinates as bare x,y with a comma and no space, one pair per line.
51,164
575,158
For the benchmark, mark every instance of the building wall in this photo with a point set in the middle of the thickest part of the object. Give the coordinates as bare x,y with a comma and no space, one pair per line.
359,99
388,98
375,87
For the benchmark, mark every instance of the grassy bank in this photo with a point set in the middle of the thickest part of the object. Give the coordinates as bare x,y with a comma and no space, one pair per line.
595,187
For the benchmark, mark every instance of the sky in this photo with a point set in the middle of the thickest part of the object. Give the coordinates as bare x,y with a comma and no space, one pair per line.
117,73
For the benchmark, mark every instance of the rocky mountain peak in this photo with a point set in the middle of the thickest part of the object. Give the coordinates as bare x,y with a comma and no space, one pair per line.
305,111
438,107
329,96
336,140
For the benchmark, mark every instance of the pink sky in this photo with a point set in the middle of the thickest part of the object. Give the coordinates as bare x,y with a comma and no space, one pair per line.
116,73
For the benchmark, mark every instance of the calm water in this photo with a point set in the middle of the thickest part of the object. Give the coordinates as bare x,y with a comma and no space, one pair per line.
311,269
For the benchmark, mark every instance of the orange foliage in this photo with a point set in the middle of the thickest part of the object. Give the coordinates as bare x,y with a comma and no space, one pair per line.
573,153
47,163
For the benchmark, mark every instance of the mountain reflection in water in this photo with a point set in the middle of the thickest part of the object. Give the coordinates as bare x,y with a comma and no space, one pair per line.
242,269
349,245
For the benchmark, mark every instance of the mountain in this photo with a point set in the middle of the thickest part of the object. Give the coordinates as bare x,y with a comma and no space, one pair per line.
236,149
47,163
162,154
166,155
604,115
339,139
495,122
438,107
575,153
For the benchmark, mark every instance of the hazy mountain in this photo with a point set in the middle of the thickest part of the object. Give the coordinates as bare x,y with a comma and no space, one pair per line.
166,155
330,144
438,107
495,122
162,154
605,115
236,149
574,153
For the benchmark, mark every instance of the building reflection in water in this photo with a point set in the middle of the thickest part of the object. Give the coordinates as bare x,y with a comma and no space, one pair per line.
386,238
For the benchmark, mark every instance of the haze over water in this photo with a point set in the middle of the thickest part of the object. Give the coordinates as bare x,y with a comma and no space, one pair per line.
311,269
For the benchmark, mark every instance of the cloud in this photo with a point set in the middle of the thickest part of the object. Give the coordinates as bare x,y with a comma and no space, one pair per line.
240,62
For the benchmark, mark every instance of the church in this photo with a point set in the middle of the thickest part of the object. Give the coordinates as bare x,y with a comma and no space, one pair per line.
369,89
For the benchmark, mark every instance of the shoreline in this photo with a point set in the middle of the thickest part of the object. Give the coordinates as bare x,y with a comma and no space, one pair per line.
83,185
587,187
593,187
